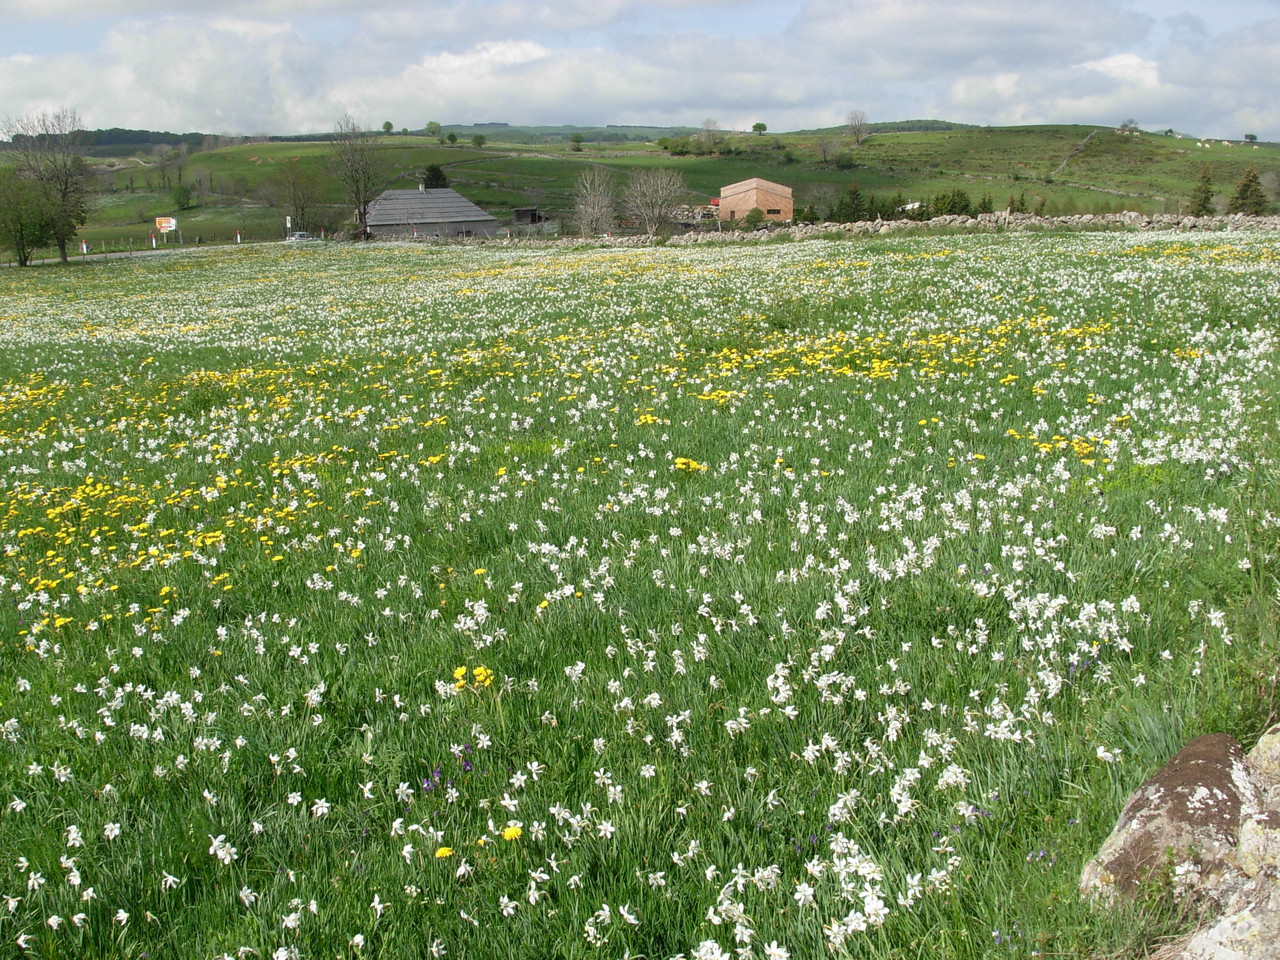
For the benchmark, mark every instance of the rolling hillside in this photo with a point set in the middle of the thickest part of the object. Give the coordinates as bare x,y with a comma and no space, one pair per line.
1067,169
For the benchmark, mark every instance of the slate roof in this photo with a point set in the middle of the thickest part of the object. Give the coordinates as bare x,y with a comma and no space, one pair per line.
438,205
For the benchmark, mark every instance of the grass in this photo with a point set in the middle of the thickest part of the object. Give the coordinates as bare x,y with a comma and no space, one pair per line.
1072,169
390,600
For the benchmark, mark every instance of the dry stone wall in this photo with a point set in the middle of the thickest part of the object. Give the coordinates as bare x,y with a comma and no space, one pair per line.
982,223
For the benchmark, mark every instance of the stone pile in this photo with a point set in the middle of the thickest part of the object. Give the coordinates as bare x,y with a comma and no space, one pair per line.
981,223
1206,825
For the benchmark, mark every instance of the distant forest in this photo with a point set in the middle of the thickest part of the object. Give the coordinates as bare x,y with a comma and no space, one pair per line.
119,141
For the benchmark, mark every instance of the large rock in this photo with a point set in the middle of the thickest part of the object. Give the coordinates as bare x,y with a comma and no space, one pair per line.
1186,819
1265,756
1205,799
1259,844
1250,928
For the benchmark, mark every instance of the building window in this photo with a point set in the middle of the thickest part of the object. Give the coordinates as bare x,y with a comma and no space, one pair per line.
773,211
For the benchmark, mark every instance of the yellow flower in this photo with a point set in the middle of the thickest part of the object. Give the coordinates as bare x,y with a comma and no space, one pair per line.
511,833
443,852
460,673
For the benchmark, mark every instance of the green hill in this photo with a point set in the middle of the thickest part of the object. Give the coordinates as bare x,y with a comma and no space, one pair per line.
1059,169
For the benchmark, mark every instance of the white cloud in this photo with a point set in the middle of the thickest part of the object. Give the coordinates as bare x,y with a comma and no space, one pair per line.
292,66
250,29
1128,68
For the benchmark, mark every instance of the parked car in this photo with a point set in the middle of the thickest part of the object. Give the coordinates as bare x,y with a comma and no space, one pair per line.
298,235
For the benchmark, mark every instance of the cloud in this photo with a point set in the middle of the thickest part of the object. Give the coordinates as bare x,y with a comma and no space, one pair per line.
920,39
293,66
182,73
1128,69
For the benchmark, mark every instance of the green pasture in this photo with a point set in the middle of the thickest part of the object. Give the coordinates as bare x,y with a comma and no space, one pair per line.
1067,169
812,599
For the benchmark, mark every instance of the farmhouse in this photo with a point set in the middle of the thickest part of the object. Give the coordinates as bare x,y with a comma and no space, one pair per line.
436,212
773,199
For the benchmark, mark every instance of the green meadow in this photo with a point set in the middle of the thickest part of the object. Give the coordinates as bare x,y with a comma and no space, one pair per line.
784,600
1067,169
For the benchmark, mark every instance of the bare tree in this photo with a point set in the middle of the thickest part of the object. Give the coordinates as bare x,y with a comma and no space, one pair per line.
821,198
710,136
50,148
360,167
297,189
827,147
653,195
855,124
595,201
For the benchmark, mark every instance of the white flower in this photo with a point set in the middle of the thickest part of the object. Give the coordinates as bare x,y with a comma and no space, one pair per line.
774,952
121,917
321,808
111,830
605,829
1107,756
710,950
357,941
169,881
218,847
17,806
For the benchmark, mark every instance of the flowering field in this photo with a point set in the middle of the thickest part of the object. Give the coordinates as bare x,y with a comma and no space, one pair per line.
790,600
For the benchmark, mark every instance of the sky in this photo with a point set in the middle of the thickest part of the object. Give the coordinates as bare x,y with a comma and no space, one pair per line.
1208,69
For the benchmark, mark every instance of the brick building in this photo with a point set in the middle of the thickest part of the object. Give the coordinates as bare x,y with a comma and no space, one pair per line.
739,199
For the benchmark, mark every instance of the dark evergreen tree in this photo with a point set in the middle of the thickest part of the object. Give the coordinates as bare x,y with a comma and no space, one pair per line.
1201,203
953,203
1249,197
433,177
850,208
